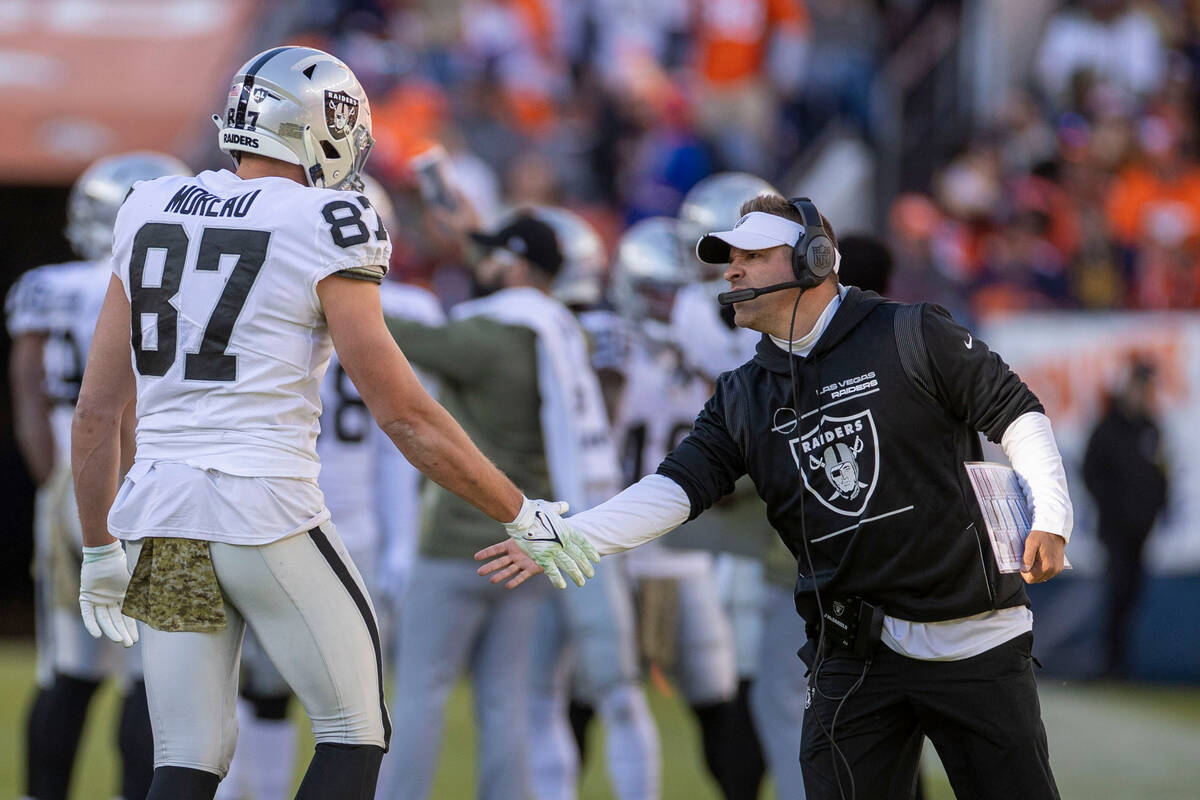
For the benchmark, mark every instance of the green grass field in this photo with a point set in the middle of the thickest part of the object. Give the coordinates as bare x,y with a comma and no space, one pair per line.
1107,742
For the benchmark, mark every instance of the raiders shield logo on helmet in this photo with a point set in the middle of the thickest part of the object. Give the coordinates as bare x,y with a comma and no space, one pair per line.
839,461
341,113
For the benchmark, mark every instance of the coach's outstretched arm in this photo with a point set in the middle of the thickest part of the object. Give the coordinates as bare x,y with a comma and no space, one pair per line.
641,513
430,438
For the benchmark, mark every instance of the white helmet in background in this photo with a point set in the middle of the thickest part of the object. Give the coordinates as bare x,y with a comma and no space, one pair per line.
380,200
715,204
649,268
580,281
99,192
301,106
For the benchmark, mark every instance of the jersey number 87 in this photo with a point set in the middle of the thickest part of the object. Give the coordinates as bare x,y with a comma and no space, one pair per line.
211,362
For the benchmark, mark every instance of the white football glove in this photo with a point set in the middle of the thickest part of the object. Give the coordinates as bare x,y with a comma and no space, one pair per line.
102,583
552,542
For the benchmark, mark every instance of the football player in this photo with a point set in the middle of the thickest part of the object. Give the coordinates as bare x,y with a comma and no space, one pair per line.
711,344
661,399
506,345
586,640
229,291
51,313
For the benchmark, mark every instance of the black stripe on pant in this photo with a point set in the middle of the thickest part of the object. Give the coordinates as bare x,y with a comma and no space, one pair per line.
339,568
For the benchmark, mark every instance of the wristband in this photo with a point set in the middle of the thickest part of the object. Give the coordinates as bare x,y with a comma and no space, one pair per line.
91,554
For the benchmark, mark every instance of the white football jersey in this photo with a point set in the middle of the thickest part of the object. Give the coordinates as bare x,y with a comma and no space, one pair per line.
61,301
709,345
608,338
660,403
229,339
352,449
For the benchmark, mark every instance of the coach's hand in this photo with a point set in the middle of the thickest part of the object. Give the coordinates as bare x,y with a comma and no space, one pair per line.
1043,557
545,542
102,583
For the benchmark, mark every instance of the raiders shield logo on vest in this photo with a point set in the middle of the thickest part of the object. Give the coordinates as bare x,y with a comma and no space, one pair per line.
839,461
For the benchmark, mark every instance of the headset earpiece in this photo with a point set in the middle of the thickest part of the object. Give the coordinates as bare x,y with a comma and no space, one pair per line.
813,256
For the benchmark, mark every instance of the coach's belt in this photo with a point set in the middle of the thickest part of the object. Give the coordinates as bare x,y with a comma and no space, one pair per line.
174,588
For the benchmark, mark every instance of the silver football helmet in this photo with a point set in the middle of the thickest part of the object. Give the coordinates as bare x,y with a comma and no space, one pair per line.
580,281
99,192
650,266
302,106
715,204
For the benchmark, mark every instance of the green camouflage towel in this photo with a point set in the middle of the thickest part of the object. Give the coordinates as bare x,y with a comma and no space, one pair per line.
174,588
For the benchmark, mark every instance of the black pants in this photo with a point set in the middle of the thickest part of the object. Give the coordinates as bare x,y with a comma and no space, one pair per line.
982,715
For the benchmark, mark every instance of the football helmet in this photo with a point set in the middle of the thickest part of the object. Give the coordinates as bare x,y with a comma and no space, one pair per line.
99,192
649,268
580,281
715,204
302,106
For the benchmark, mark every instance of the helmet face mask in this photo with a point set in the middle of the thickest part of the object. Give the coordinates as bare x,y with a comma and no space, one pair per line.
301,106
99,192
649,269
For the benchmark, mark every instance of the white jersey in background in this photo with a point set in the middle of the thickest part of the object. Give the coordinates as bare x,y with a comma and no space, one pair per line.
661,400
710,346
61,301
229,347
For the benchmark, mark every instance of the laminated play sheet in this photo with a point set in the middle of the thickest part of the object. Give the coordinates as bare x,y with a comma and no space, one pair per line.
1007,512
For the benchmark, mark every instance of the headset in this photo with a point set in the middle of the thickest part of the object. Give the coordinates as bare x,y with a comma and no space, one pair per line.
813,255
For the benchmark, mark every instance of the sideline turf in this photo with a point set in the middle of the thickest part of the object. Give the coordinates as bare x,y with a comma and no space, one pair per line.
1115,741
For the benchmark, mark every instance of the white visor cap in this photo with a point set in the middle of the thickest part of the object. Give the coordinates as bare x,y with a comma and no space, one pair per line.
757,230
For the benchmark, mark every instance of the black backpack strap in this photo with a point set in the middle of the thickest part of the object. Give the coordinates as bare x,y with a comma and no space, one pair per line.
910,341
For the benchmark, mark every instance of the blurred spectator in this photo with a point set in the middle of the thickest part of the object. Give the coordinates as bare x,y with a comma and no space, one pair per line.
841,66
1093,43
733,94
1125,473
928,260
1154,212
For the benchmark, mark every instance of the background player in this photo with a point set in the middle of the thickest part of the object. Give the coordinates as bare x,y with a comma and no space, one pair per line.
586,641
51,314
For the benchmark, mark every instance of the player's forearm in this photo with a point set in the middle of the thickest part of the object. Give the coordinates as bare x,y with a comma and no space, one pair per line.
31,409
35,440
1029,444
644,511
436,444
95,464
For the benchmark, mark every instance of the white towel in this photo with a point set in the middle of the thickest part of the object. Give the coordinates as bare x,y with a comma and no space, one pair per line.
580,451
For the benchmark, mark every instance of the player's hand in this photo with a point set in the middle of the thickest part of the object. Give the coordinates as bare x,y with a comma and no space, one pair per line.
551,543
507,561
1044,556
102,583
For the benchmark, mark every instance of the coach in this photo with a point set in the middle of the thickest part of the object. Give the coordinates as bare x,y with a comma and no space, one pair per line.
855,434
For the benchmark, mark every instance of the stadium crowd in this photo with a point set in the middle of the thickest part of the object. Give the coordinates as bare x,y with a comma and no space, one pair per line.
1083,193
